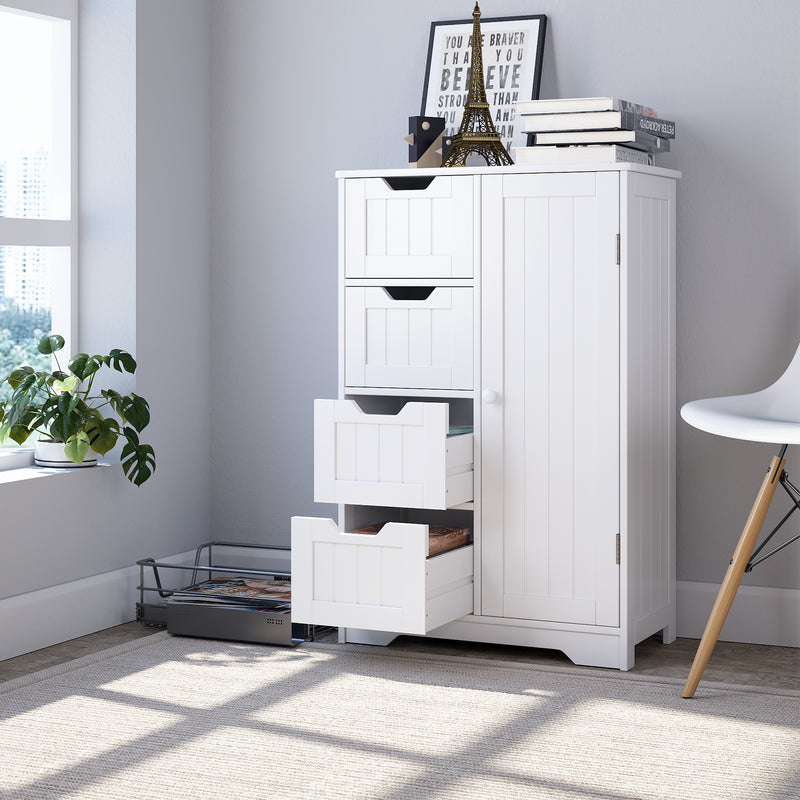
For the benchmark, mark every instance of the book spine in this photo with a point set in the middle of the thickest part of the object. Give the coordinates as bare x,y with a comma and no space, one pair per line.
631,156
635,139
663,128
595,121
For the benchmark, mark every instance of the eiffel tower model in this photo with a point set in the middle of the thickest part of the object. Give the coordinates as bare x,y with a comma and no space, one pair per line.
477,133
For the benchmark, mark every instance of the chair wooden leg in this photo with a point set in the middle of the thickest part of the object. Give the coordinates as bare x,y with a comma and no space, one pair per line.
733,577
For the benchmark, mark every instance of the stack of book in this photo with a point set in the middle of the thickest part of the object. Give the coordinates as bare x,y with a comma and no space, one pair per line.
591,129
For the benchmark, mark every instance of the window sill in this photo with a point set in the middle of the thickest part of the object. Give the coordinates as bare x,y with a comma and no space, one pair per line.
17,465
15,458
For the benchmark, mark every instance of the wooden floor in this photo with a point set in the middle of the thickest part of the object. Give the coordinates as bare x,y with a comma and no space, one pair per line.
754,665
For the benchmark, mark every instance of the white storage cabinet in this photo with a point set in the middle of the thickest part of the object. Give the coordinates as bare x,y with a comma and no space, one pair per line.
562,347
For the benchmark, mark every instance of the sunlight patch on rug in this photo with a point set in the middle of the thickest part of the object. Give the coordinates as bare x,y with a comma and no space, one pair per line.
385,709
292,766
67,733
626,746
167,682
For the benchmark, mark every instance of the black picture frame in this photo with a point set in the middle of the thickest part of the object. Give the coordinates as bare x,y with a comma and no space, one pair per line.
516,75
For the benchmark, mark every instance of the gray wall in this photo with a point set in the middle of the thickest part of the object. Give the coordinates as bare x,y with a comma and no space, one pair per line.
299,90
143,287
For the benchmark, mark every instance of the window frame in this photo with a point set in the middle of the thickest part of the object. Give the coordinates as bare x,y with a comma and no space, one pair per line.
53,232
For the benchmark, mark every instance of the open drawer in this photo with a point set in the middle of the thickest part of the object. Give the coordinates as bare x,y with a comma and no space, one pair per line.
420,227
408,337
381,582
405,460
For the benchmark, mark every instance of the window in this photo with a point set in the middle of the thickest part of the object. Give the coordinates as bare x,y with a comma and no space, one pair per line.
38,177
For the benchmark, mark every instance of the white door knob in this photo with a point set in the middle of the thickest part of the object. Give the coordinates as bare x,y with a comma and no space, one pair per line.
490,397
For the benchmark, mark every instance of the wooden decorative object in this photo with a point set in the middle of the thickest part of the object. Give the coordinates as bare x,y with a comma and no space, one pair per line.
425,141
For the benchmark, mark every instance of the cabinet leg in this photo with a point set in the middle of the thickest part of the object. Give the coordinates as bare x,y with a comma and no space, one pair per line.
627,656
733,576
362,636
668,634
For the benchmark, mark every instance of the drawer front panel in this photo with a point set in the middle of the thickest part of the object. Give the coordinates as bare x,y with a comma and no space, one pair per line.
382,582
400,233
403,460
412,344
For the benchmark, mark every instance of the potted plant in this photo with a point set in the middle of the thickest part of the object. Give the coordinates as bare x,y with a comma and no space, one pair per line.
68,412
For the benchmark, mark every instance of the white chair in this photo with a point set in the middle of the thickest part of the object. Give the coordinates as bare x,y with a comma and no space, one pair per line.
771,415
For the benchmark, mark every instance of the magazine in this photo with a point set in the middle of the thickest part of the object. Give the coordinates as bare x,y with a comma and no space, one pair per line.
257,591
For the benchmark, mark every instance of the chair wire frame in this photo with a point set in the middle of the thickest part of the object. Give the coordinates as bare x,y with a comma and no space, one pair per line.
794,495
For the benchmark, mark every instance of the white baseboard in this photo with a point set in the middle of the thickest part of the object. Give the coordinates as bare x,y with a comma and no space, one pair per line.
759,615
49,616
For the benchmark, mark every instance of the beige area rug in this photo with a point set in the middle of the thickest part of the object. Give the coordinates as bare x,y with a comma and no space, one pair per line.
169,717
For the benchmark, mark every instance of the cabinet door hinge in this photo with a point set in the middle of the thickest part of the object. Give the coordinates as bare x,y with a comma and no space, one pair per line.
619,249
618,548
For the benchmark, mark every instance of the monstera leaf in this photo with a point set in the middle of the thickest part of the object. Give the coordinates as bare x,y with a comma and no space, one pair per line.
84,365
76,447
136,411
121,361
50,344
102,433
138,460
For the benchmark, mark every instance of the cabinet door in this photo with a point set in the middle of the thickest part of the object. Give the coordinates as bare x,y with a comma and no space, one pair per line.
551,402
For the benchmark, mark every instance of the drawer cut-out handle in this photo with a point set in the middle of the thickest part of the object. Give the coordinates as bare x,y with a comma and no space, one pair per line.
409,183
409,292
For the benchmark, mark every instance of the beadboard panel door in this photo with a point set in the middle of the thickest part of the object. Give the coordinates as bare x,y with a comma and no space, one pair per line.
551,410
393,342
409,233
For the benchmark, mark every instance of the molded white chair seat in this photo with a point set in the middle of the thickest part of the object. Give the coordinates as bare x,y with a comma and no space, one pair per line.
771,415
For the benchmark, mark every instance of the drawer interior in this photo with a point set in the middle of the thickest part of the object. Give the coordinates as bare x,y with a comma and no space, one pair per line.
441,538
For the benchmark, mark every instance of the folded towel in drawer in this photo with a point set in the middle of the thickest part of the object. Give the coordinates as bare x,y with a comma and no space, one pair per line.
440,538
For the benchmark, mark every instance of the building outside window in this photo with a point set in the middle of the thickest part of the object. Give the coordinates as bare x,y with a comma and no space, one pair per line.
38,177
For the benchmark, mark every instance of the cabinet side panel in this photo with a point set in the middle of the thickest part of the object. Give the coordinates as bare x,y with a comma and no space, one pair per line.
603,429
649,265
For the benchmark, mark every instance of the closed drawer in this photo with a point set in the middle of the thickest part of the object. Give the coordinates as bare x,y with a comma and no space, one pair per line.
409,337
409,233
405,460
383,582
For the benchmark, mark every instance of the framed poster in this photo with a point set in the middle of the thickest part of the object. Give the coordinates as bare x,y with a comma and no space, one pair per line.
512,52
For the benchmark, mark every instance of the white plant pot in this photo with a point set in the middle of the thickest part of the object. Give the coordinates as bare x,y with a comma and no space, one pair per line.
51,454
